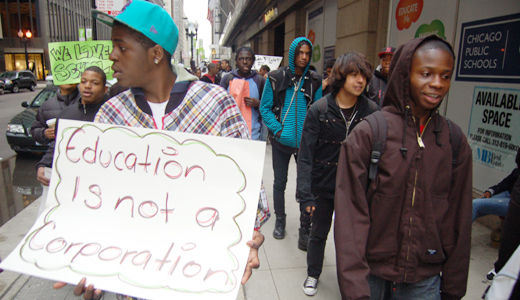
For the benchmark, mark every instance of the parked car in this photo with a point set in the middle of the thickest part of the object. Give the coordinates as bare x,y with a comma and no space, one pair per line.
18,129
2,84
15,80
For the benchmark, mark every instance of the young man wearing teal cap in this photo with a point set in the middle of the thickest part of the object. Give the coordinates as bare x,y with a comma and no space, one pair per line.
163,97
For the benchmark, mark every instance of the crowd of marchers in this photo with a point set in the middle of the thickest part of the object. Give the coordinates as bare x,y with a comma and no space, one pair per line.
369,145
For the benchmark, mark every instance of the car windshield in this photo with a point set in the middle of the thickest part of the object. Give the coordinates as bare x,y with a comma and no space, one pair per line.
8,75
43,96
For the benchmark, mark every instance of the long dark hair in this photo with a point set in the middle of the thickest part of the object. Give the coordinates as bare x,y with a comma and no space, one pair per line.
351,62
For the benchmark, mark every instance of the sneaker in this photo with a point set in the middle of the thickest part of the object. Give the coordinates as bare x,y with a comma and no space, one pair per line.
310,286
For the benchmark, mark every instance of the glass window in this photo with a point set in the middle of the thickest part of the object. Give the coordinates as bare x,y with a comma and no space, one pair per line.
8,75
43,96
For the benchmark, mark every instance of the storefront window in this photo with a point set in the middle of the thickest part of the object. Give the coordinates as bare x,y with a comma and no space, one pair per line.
16,62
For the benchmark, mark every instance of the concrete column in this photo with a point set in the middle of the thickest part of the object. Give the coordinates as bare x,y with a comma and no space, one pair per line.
266,45
294,27
362,26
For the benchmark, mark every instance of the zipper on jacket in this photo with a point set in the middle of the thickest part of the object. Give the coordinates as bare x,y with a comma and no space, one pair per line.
421,146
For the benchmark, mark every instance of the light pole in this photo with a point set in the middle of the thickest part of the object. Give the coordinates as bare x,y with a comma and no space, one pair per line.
191,32
25,37
94,24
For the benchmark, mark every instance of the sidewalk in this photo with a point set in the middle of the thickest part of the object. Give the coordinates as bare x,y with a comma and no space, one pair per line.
283,265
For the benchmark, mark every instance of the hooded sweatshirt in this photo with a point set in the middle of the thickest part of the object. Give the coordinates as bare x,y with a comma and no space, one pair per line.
377,87
76,111
248,86
288,128
414,220
51,109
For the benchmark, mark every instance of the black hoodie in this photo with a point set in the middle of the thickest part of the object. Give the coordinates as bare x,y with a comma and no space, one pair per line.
377,87
507,183
51,109
76,111
414,220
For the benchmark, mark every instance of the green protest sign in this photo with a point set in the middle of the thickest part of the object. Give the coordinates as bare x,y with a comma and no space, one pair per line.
70,59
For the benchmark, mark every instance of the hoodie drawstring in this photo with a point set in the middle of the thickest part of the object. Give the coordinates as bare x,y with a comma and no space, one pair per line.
403,149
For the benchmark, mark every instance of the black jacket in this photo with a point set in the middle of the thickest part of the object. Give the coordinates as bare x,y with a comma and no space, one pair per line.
323,131
207,79
377,88
51,109
507,183
76,111
281,79
511,233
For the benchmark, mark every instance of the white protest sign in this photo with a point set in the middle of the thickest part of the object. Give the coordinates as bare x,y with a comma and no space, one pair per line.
272,61
147,213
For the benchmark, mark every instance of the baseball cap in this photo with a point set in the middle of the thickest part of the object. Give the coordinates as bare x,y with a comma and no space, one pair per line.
386,50
147,18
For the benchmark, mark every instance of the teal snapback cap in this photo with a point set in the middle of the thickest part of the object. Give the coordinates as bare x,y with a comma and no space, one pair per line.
147,18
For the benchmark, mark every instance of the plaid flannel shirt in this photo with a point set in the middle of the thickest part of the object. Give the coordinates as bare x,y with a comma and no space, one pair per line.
206,109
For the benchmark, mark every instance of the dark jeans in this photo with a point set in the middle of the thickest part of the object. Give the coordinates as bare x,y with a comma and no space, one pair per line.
321,221
281,159
427,289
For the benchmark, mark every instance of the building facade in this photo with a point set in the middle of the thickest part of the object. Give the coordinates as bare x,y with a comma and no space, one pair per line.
55,21
176,10
270,26
48,21
485,36
219,12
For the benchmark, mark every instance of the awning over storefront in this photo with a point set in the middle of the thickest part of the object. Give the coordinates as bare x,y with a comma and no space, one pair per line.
22,50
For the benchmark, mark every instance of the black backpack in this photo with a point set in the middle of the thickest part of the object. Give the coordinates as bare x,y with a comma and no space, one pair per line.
379,128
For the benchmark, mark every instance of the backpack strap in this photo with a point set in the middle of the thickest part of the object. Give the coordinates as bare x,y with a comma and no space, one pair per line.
323,107
279,83
455,140
379,127
311,84
378,124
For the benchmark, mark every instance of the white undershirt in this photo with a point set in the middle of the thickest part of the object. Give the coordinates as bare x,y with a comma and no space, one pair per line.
158,112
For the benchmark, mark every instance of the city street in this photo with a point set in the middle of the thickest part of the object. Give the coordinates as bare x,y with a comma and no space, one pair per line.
18,171
10,105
